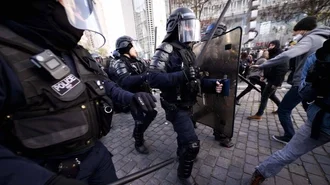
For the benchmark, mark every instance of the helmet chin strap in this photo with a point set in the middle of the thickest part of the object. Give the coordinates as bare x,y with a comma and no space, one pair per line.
127,55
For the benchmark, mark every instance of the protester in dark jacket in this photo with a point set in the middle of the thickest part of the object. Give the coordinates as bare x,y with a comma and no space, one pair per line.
256,76
275,75
275,78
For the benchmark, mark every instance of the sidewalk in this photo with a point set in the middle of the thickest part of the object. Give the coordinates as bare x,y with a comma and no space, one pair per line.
217,165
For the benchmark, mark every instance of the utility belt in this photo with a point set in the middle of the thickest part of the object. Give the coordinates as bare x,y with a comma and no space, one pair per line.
174,106
68,167
62,149
318,120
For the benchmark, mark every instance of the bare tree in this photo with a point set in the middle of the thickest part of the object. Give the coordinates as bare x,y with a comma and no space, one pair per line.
196,5
285,10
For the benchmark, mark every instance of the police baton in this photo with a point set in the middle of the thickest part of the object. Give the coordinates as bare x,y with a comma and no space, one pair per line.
248,82
134,176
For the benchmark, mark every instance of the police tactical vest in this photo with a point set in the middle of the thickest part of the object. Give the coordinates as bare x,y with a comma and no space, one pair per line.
60,116
186,94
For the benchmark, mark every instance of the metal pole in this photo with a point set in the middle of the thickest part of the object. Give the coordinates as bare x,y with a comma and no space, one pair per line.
155,43
248,82
134,176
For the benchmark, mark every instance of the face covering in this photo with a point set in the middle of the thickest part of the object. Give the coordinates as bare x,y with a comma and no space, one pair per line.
297,37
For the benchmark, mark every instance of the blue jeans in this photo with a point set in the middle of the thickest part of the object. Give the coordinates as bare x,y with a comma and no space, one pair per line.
268,91
183,126
289,102
300,144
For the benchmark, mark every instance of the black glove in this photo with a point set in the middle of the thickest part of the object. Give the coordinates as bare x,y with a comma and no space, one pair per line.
191,73
146,101
59,180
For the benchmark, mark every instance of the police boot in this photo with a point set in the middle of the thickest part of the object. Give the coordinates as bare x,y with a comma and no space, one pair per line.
224,140
187,181
139,140
186,160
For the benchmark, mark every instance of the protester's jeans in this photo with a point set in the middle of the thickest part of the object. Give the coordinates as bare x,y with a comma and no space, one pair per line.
267,92
300,144
289,102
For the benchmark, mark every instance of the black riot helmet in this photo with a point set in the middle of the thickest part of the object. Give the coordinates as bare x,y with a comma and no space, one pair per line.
220,30
183,25
61,23
125,43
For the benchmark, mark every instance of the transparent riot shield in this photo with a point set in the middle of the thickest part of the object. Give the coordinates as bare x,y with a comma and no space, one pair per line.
221,59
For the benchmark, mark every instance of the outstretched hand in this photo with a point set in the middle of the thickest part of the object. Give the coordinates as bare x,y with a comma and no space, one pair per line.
143,100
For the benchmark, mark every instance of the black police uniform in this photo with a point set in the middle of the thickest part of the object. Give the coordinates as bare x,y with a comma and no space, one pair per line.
129,74
45,118
174,57
54,123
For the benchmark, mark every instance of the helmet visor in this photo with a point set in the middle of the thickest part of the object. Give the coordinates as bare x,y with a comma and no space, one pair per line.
189,31
83,15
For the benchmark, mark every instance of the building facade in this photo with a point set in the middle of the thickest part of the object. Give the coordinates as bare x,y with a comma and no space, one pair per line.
237,15
149,15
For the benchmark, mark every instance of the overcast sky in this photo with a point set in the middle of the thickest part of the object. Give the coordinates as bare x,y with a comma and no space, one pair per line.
115,21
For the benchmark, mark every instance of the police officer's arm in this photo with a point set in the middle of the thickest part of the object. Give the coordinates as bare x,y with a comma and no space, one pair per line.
305,90
117,94
157,75
208,85
144,100
125,79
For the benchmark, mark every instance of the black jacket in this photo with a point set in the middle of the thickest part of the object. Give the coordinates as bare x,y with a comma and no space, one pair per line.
275,75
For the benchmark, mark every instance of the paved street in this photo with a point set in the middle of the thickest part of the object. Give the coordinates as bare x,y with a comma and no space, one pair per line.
217,165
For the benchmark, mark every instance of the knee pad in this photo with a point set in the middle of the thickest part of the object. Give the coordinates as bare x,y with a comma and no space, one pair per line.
186,159
139,127
190,151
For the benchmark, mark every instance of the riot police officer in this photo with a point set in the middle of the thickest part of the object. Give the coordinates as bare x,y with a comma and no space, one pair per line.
221,29
175,56
129,71
54,99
